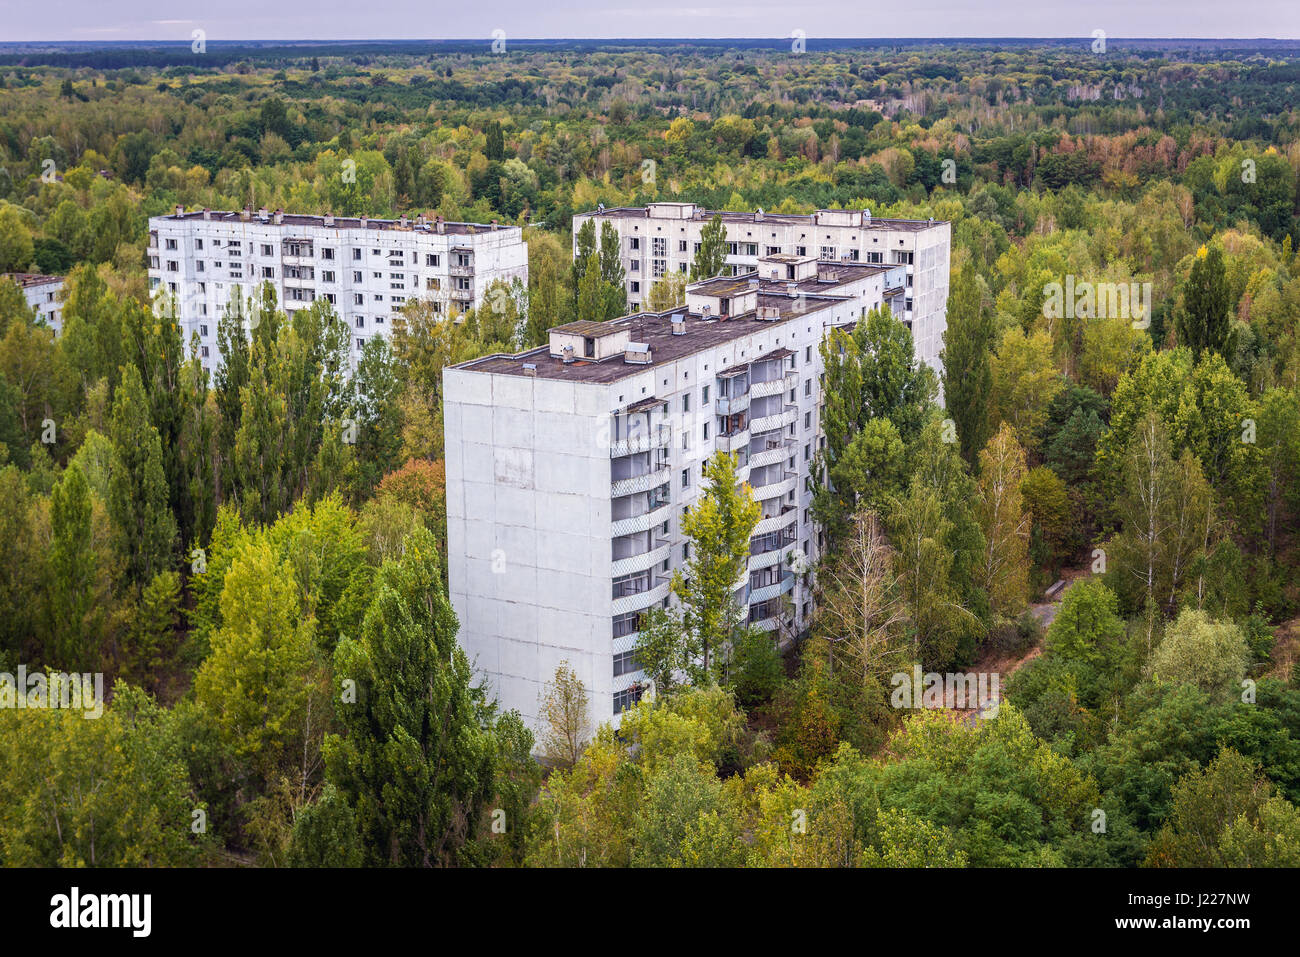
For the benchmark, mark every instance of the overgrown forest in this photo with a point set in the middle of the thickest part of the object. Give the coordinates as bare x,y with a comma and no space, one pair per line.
255,558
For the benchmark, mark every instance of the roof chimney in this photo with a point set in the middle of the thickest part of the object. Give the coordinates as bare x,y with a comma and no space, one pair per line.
567,354
530,368
329,219
245,213
402,221
678,320
279,216
758,215
207,213
263,214
793,289
442,226
180,210
364,222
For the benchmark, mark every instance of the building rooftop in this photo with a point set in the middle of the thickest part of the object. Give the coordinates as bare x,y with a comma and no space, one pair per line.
796,219
587,327
277,218
27,279
655,330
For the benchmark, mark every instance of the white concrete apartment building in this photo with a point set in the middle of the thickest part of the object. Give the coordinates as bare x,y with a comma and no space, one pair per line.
42,295
663,237
570,467
366,268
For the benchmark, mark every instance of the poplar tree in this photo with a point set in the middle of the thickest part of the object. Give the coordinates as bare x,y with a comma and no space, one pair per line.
967,372
711,257
1203,323
137,490
719,528
72,573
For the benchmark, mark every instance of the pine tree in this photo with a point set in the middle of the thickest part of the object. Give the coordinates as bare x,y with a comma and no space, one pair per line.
418,761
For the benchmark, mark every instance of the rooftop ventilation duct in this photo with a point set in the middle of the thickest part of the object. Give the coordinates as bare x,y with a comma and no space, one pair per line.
637,354
678,319
567,355
530,368
329,220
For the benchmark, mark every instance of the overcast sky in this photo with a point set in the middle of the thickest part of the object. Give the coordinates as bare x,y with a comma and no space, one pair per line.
27,20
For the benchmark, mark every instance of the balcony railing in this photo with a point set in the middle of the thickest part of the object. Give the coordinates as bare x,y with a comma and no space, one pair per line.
731,404
774,590
638,483
784,519
779,420
461,270
641,600
641,523
657,437
732,441
640,563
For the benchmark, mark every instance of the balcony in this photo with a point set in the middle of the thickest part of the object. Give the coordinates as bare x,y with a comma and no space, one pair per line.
730,405
638,483
733,441
776,556
777,450
640,563
767,624
641,523
641,600
759,595
770,423
775,489
461,270
760,389
785,519
658,437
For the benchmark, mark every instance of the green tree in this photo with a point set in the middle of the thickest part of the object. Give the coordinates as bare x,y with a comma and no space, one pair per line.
72,593
418,761
1203,323
719,528
711,257
968,344
137,491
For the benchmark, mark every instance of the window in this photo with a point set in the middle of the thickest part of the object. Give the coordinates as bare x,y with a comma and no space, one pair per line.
431,259
686,402
626,624
807,420
198,244
626,698
203,329
327,275
686,478
361,322
268,272
706,431
681,245
625,663
171,244
327,254
636,286
358,299
704,395
361,343
807,451
356,254
267,250
634,242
